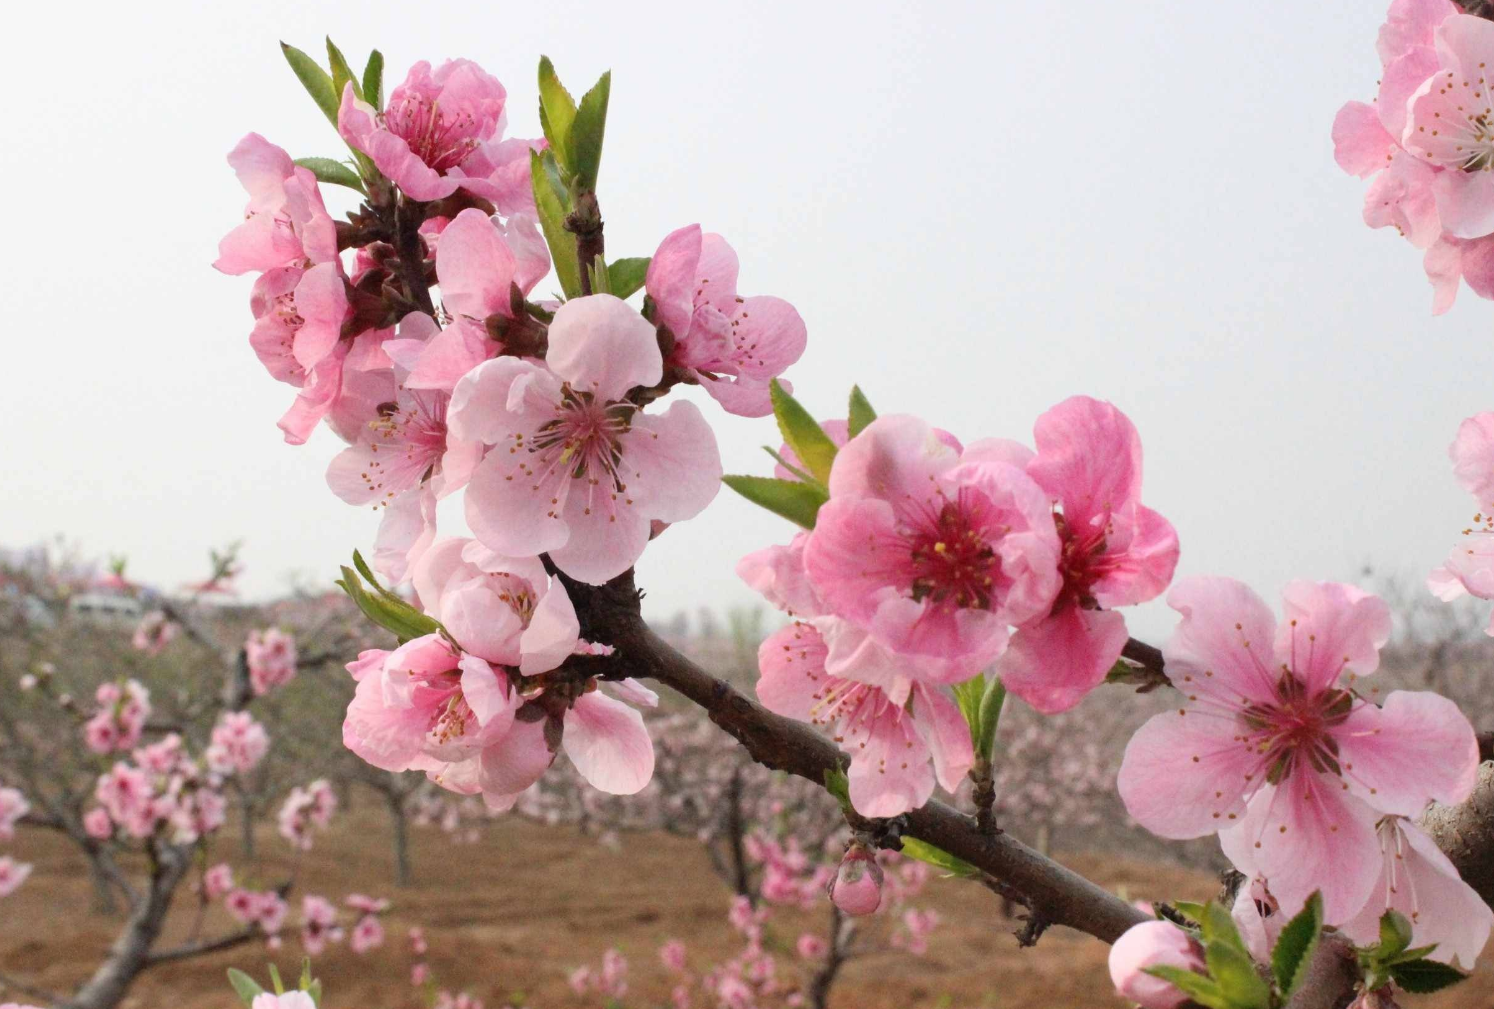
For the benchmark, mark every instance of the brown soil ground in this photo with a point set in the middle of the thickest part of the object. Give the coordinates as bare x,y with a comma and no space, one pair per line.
515,912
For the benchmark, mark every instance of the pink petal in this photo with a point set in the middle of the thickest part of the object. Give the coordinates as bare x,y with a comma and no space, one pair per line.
791,672
387,737
407,529
778,574
893,458
1402,197
1144,568
480,621
890,773
475,265
1360,144
1330,629
1411,23
676,465
450,355
516,760
1443,264
946,733
599,547
1223,644
670,280
1088,458
1416,749
607,742
1399,82
1052,663
1305,835
1183,774
601,346
1465,202
489,694
1472,454
552,633
716,274
768,334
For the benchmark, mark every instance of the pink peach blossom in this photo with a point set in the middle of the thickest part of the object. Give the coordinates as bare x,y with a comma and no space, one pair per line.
1273,751
271,656
13,806
12,875
432,124
154,632
930,550
732,346
1417,880
1469,569
901,738
1153,944
318,924
1114,552
577,470
97,825
238,744
217,881
285,223
1440,132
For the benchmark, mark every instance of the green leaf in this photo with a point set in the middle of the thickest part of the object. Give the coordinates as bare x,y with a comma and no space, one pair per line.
795,501
838,785
861,412
314,79
334,173
991,703
1189,909
1421,977
244,985
1411,954
795,470
305,982
600,276
557,110
583,141
968,696
373,80
938,857
1234,972
1217,926
553,204
1395,935
394,615
275,979
1296,944
1199,988
315,991
341,72
627,275
802,433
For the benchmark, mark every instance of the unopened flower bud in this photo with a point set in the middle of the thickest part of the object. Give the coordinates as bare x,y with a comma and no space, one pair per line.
1152,944
857,887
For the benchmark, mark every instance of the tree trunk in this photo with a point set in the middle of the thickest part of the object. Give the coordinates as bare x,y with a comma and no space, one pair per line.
130,953
403,875
104,900
736,828
841,932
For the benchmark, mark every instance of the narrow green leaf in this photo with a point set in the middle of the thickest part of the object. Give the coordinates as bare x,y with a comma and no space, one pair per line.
991,703
305,982
967,696
1395,935
1296,944
802,433
373,80
244,986
553,204
1412,954
583,142
797,502
601,279
628,275
1199,988
314,79
838,785
315,991
341,72
1421,977
1189,909
394,615
334,173
1234,972
938,857
795,470
275,979
861,412
557,110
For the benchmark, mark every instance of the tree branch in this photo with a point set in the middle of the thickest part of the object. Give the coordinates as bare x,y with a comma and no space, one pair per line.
1053,893
1465,832
202,948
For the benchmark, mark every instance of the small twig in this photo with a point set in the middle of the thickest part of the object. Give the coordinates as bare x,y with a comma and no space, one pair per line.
31,991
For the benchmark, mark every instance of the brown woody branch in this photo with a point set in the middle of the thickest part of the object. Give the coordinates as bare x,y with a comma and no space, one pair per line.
1055,895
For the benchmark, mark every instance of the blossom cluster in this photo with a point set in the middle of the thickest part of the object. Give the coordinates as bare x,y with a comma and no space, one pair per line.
305,811
542,412
1427,143
932,560
123,710
238,744
271,657
161,788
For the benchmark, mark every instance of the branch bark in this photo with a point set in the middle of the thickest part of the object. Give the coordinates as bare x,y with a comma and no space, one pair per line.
610,613
1465,832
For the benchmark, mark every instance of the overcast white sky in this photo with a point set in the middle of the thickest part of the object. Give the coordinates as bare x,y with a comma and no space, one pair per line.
979,209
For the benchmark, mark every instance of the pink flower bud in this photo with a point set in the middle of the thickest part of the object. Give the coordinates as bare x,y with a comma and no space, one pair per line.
857,888
97,825
1152,944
